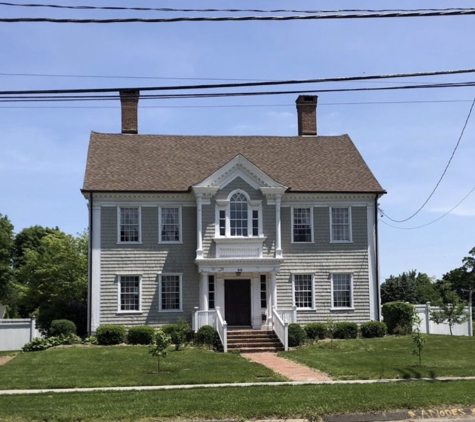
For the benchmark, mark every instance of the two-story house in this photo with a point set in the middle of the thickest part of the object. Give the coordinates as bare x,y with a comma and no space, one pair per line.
253,228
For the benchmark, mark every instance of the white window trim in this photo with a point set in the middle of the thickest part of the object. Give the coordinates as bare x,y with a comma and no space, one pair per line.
292,225
225,205
119,281
350,226
180,275
313,289
118,225
180,226
349,308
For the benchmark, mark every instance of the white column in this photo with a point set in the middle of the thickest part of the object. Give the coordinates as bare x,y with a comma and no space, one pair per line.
204,292
273,288
278,238
373,284
199,225
96,268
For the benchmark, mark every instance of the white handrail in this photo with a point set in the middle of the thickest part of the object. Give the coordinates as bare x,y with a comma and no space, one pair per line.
222,329
281,328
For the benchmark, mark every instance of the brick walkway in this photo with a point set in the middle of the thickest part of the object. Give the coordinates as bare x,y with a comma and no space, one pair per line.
287,368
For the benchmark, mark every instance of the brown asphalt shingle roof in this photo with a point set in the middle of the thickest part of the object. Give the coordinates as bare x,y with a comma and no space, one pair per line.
122,162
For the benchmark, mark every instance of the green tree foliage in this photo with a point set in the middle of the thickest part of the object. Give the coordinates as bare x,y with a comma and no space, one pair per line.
418,339
452,311
55,274
411,286
7,290
159,347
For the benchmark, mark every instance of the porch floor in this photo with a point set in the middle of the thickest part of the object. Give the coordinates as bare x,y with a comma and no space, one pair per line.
287,368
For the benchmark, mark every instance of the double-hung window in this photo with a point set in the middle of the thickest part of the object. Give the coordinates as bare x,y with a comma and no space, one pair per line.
340,221
170,224
129,293
303,290
170,298
129,224
342,290
238,215
302,227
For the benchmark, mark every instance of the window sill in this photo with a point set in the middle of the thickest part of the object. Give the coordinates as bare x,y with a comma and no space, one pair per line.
164,311
341,241
301,243
342,309
171,243
129,312
129,243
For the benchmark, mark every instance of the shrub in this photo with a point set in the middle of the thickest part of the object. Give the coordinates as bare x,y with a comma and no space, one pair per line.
398,317
41,343
141,334
108,334
316,330
61,327
296,334
90,340
345,330
373,329
178,332
59,309
206,335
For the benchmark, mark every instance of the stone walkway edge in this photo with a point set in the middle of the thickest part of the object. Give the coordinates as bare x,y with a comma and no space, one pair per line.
234,385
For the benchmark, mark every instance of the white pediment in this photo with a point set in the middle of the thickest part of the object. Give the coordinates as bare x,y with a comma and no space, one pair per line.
241,167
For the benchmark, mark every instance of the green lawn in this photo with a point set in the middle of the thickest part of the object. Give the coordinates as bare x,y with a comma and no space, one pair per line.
389,357
102,366
236,403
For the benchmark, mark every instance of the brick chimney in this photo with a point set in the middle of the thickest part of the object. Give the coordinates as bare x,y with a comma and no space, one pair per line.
307,115
129,100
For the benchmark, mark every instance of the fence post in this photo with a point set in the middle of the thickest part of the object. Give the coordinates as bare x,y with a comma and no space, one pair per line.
470,321
294,314
428,317
286,336
32,328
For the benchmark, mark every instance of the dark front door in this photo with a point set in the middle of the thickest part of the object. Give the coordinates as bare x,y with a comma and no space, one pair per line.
237,302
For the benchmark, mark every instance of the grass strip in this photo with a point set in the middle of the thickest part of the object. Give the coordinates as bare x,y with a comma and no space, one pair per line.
236,402
110,366
389,357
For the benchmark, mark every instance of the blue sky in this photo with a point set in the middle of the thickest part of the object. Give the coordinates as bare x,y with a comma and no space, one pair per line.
406,137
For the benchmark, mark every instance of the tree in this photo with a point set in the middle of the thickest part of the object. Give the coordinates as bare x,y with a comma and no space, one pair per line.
55,274
29,238
159,347
452,311
411,286
7,290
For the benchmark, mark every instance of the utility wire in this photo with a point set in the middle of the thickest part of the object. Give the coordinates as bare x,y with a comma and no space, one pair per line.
441,177
167,9
56,98
321,104
244,84
411,14
431,222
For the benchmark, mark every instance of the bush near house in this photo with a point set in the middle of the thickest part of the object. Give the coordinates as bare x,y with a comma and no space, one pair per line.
61,327
316,330
108,334
178,332
372,329
206,335
296,335
141,334
345,330
398,317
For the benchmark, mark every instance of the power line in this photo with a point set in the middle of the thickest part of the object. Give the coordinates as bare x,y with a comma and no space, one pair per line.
167,9
410,14
320,104
431,222
443,173
64,98
243,84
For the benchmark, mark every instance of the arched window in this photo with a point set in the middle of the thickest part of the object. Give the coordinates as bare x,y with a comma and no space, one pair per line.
238,219
238,216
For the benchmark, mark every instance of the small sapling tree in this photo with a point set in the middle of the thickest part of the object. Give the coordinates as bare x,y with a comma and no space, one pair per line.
452,311
159,347
331,327
418,338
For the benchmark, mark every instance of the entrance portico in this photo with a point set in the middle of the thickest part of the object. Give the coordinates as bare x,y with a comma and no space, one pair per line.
245,292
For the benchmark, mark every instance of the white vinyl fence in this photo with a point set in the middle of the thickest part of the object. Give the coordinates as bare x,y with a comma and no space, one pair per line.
430,327
14,333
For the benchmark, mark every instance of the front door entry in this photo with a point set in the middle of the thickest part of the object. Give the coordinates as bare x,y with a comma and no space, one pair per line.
237,302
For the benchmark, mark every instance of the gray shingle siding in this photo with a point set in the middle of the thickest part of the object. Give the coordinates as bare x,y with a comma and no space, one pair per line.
147,260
